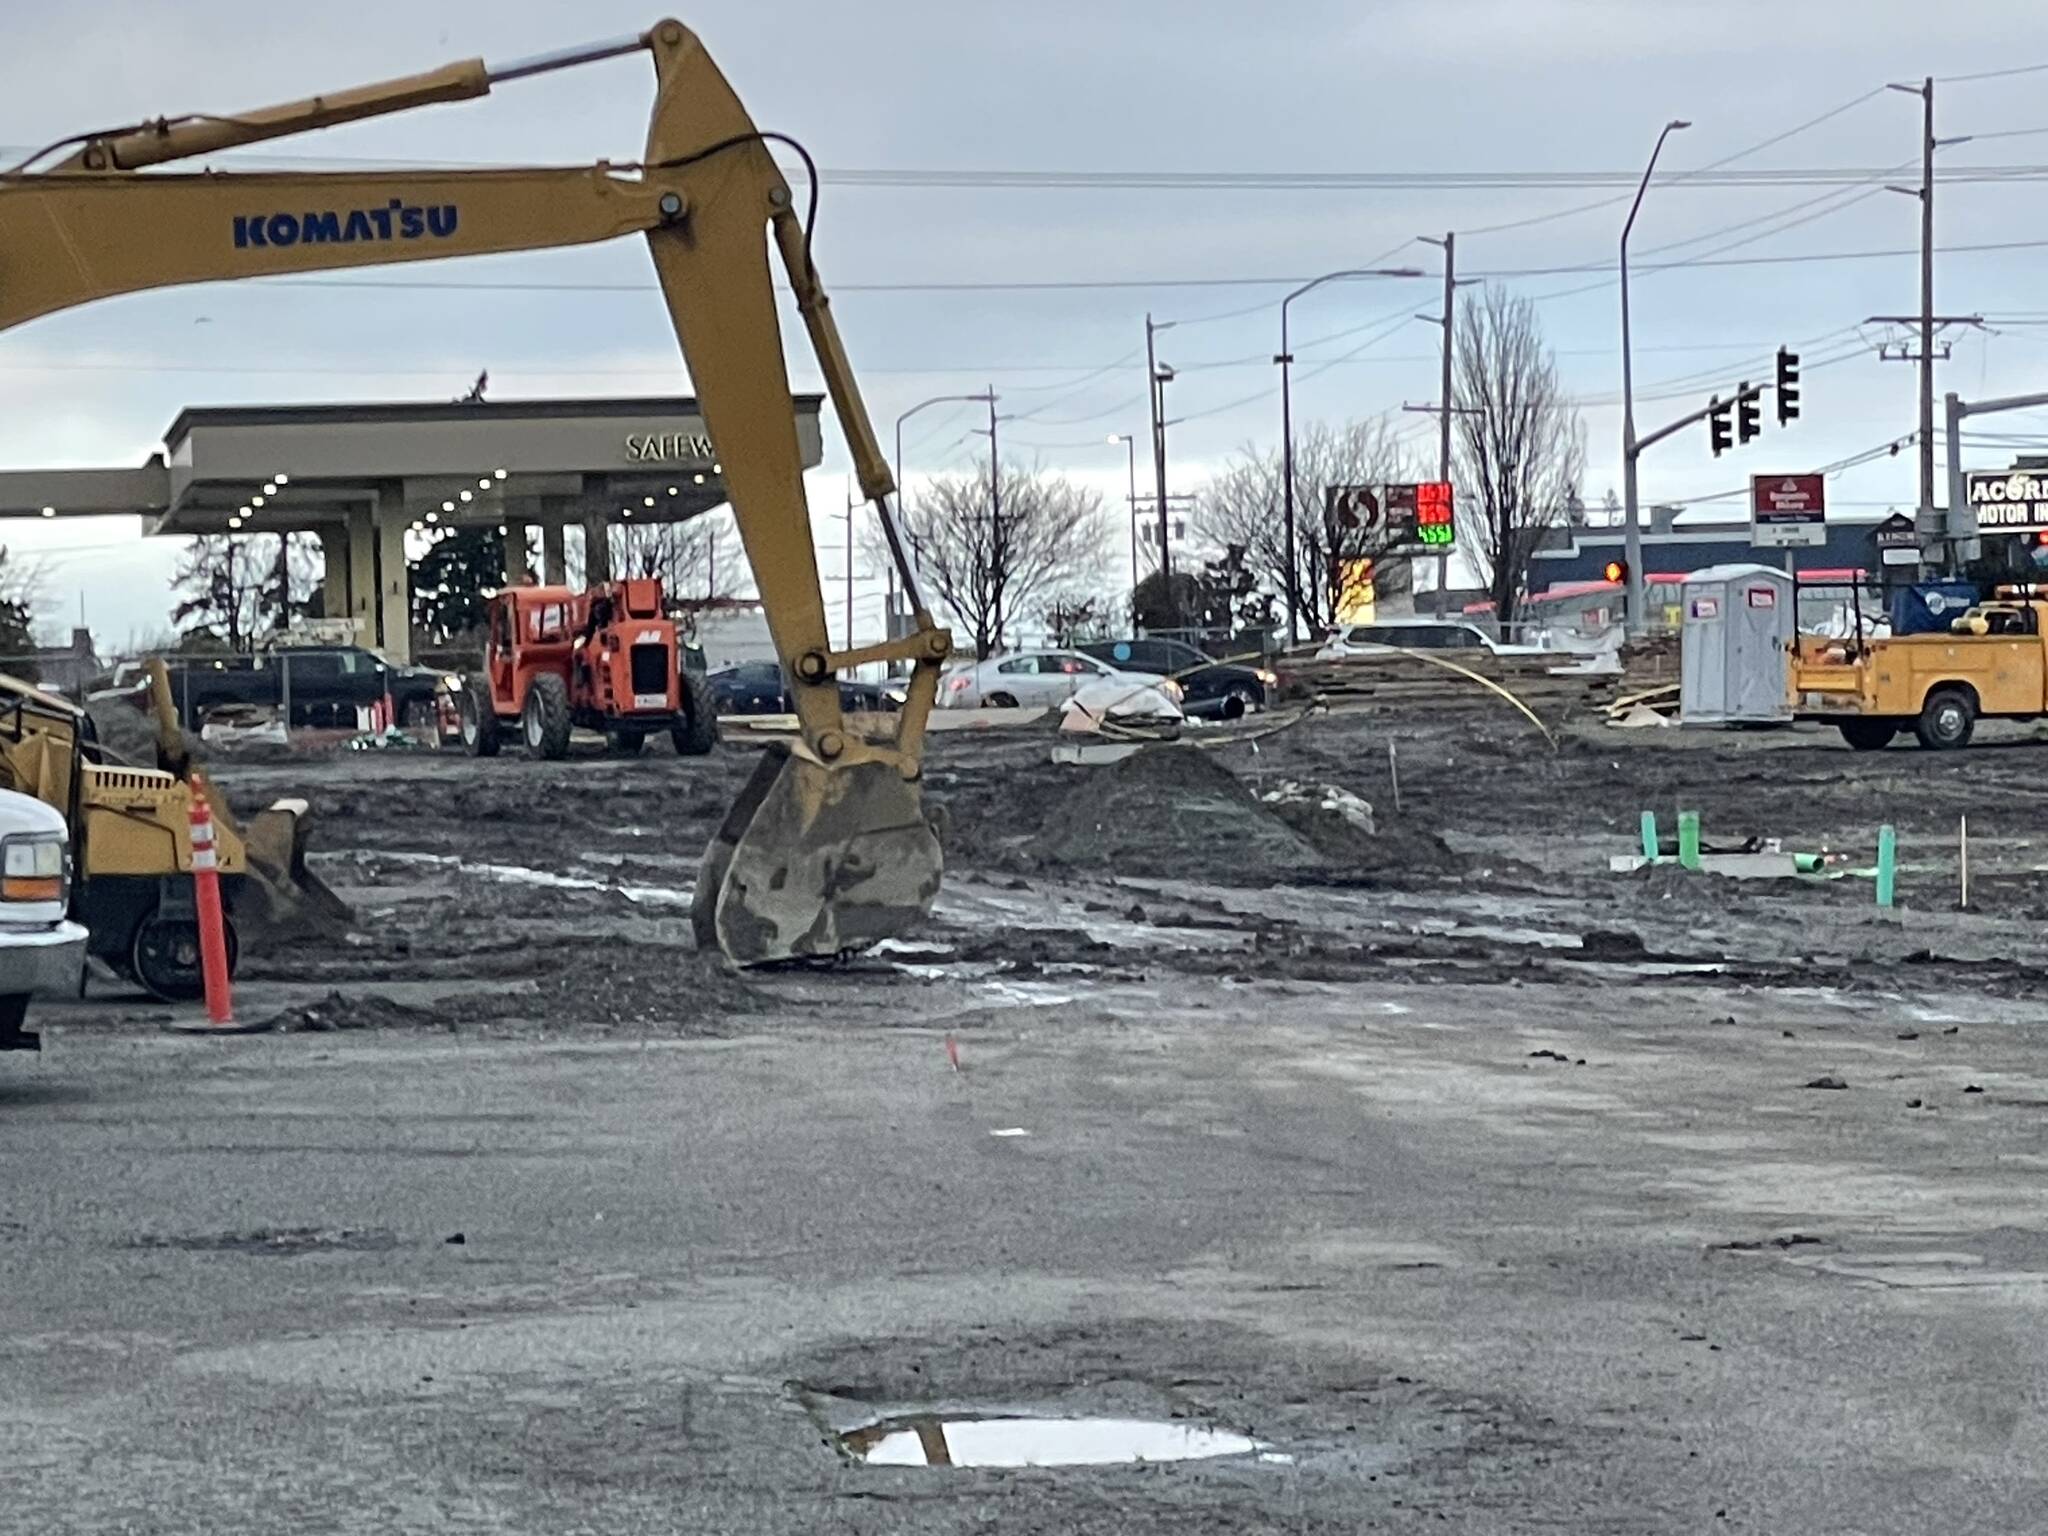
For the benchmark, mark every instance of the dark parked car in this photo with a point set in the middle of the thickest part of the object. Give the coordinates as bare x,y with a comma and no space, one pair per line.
757,688
1220,690
327,684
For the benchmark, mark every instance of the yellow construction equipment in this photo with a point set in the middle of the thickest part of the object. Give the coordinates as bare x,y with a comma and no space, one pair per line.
132,845
1993,663
827,849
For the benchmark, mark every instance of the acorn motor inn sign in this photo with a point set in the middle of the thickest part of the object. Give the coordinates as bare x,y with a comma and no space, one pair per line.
2007,500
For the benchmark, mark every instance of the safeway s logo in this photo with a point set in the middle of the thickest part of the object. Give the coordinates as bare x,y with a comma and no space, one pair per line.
397,220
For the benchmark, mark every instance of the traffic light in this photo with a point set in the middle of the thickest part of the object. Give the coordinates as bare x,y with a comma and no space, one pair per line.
1615,571
1718,432
1748,416
1788,386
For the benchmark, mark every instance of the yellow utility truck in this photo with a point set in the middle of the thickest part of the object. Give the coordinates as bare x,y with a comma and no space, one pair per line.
1991,664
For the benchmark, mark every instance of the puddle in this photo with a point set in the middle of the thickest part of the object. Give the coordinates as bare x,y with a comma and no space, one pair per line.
935,1440
520,874
1498,933
966,905
994,991
1646,969
920,949
282,1242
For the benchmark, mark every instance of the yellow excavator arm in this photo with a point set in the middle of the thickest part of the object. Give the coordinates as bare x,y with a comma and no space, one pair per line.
827,849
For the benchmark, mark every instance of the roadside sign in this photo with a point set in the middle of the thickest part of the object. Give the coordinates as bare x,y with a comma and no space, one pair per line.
1897,540
1421,518
1357,506
2007,500
1787,511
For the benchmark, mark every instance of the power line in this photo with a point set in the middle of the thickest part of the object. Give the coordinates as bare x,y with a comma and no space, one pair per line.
1137,284
1683,176
1991,74
898,178
1371,261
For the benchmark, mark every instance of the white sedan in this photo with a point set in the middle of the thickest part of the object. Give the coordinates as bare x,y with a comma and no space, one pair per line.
1036,680
1385,639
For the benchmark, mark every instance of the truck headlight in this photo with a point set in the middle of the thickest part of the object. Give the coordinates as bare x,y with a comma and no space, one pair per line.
1266,676
33,867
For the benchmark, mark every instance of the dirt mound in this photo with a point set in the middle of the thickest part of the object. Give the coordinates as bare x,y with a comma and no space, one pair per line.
1355,840
664,988
124,730
1178,813
1173,813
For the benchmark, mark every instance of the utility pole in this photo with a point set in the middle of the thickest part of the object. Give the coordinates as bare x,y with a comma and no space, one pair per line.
1444,407
1443,447
1927,294
1927,322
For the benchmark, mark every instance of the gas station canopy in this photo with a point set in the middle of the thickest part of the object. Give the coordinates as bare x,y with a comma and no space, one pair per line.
361,476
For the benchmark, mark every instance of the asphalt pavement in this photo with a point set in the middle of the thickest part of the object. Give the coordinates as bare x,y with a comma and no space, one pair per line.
1499,1258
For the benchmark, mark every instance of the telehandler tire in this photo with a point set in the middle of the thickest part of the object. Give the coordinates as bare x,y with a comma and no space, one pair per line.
698,733
479,720
545,720
1869,735
1946,719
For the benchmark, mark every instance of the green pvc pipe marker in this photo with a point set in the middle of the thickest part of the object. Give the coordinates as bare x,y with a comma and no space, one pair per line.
1649,834
1887,864
1689,839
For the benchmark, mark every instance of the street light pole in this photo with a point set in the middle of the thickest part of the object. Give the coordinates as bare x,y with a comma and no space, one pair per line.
988,395
1632,535
1131,512
1158,378
1285,358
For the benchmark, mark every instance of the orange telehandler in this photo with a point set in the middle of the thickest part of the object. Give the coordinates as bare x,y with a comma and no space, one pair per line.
608,659
827,848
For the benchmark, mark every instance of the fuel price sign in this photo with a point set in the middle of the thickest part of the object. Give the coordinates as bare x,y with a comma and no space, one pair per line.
1420,518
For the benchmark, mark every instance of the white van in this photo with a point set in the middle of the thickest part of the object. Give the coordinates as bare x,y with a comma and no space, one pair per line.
42,952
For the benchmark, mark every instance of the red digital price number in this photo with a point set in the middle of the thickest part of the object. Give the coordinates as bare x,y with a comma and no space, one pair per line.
1433,519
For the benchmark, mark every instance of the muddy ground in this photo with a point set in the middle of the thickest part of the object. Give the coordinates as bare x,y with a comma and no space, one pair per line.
1490,1190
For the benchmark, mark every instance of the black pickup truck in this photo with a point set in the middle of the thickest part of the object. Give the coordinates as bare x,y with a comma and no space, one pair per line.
327,685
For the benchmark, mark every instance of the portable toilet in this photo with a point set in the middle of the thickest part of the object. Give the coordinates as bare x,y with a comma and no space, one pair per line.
1737,628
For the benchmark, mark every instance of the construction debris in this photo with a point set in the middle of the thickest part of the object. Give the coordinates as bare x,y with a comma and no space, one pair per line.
1552,686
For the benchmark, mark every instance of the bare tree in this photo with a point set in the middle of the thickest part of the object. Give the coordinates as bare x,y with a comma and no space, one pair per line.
990,559
1520,447
1244,506
296,573
697,559
222,576
235,585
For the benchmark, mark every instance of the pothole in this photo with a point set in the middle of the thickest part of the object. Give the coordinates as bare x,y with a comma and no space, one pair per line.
1006,1440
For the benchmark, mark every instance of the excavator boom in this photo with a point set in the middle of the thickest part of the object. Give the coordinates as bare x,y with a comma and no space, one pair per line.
828,848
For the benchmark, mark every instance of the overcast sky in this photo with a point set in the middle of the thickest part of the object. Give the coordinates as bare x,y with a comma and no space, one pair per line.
1194,86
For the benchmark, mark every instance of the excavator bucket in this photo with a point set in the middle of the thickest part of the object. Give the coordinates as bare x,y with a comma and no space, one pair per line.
283,897
813,862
